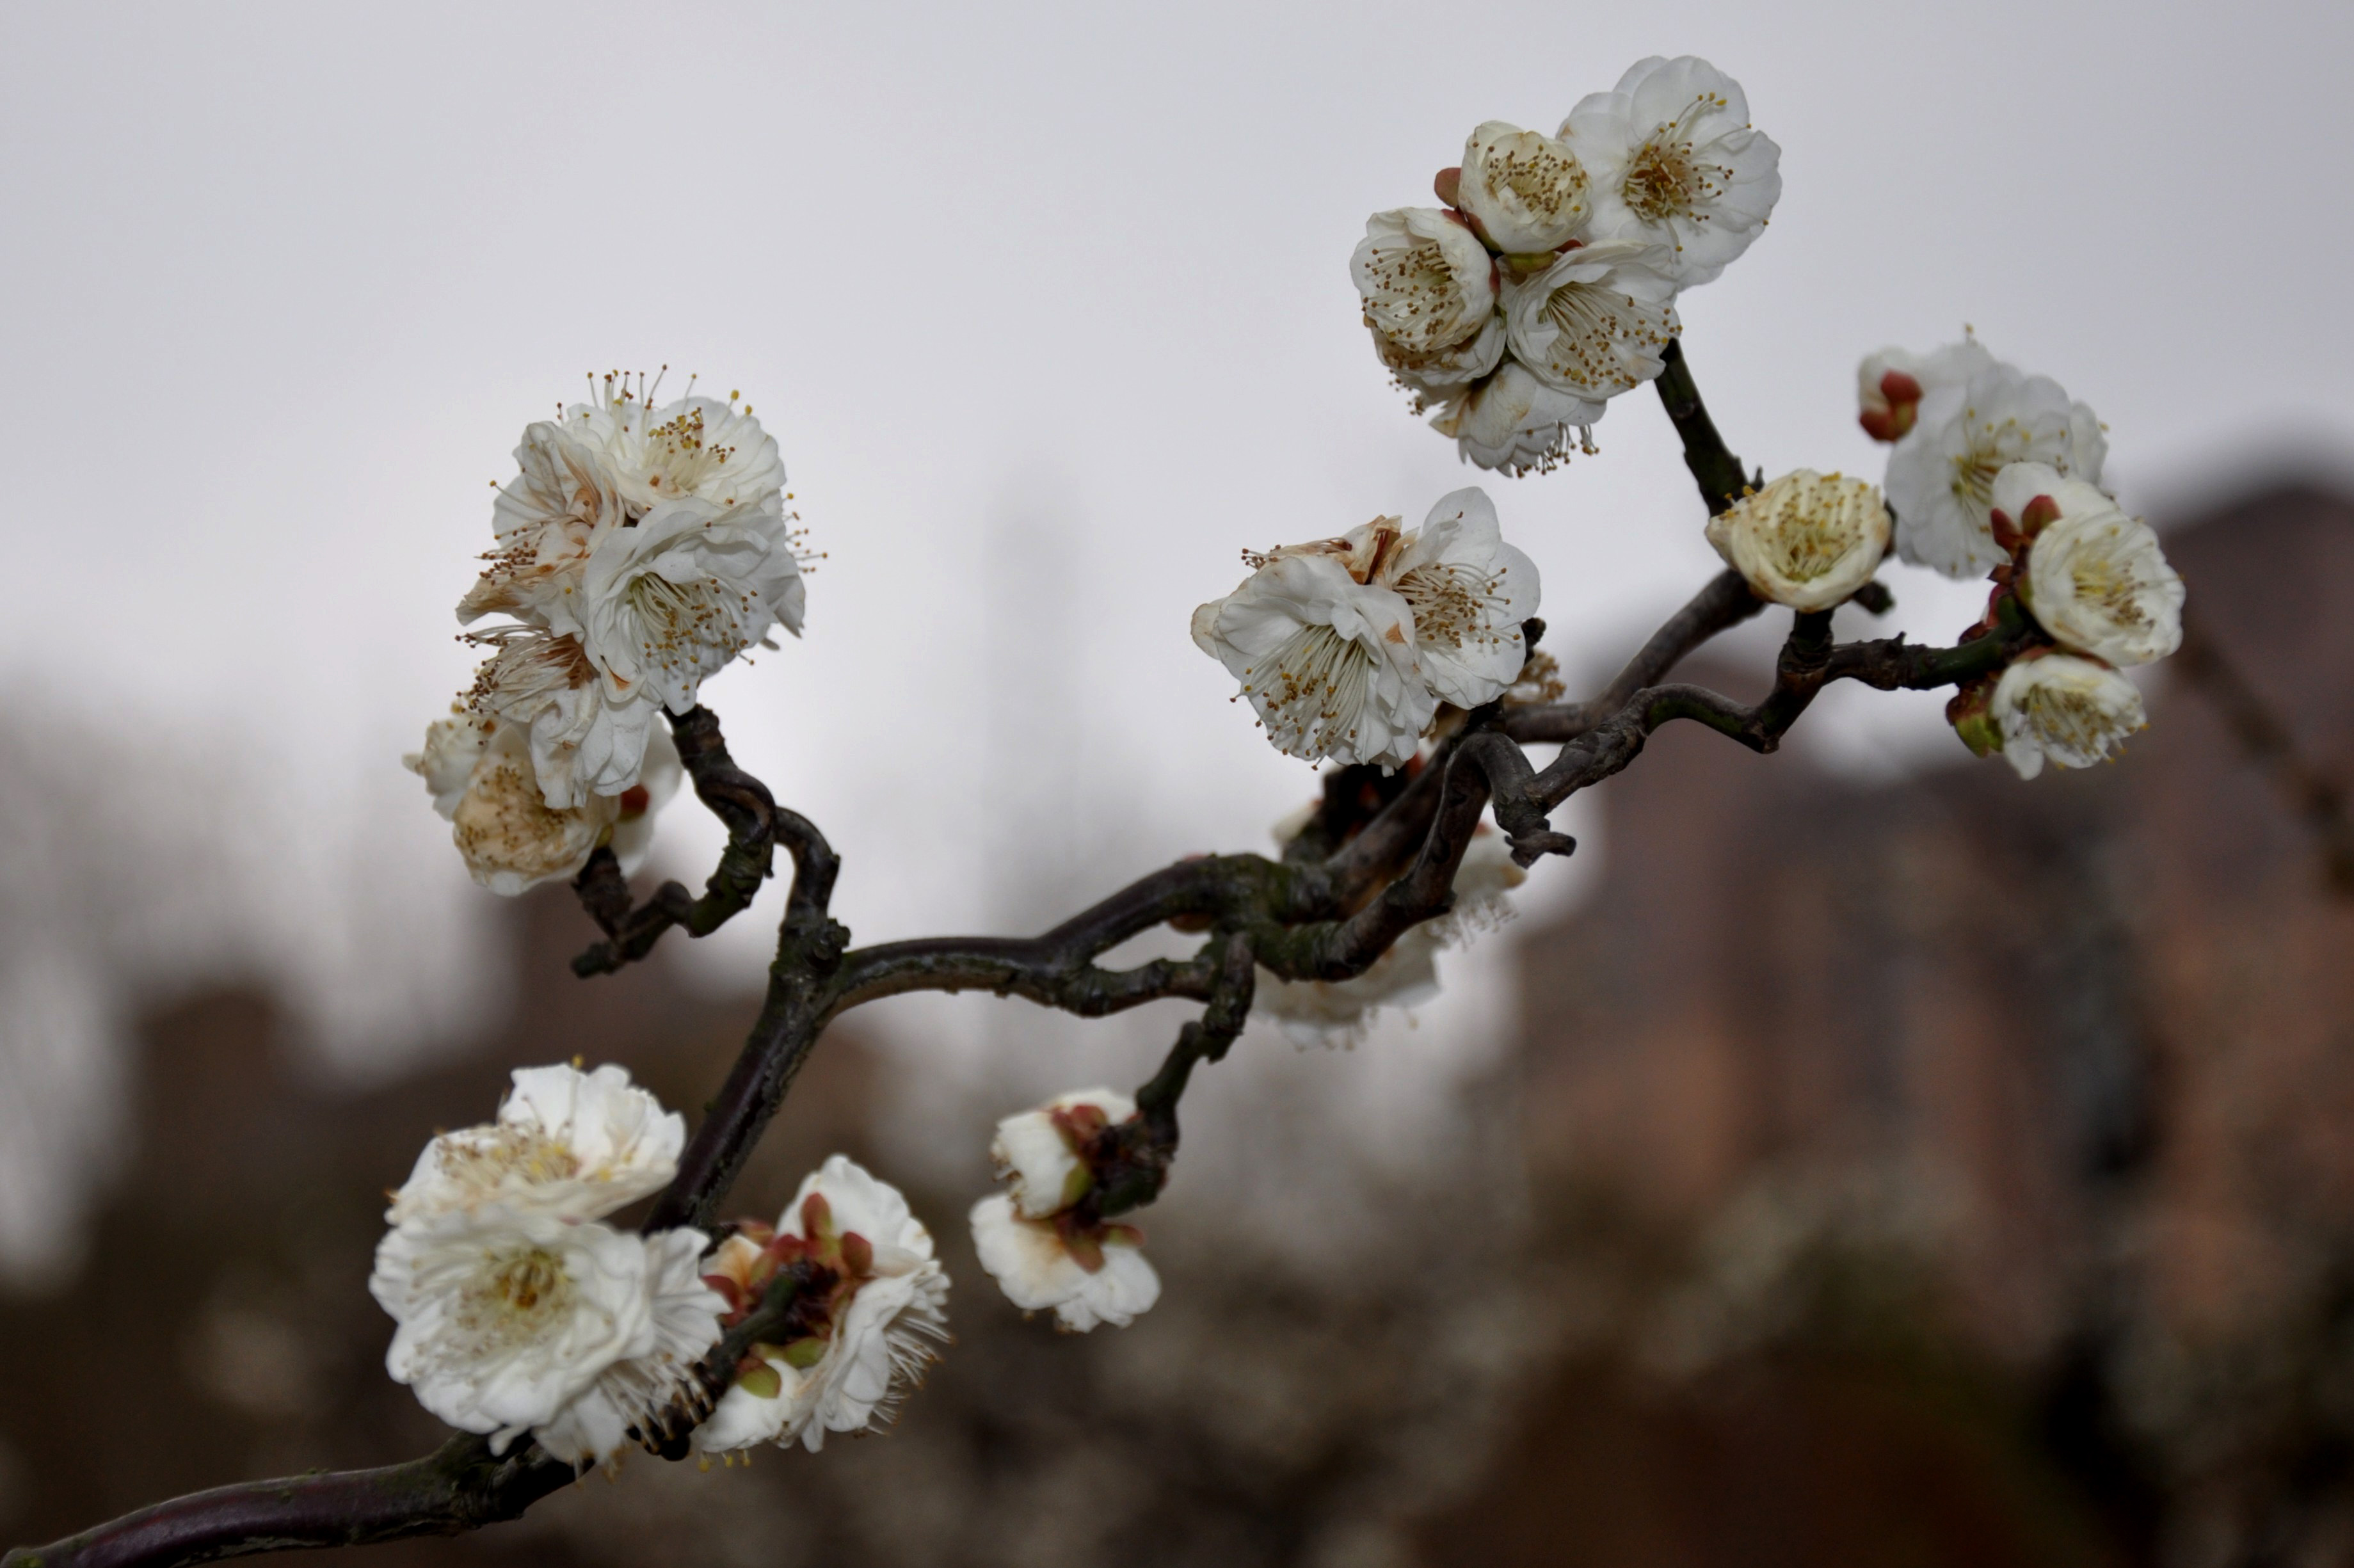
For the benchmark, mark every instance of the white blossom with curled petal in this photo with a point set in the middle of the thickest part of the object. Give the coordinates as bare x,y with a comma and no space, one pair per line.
674,597
1514,423
1470,591
584,741
568,1143
654,1387
1807,540
696,449
545,520
1326,657
1593,323
2097,579
1941,476
1426,282
2075,711
1035,1157
1329,1014
505,1319
883,1321
1676,162
1085,1280
482,779
1891,383
1527,191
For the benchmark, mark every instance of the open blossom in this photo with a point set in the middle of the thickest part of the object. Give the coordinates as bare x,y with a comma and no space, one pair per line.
1085,1276
1676,162
2076,712
873,1303
1325,656
1593,323
583,740
1437,372
545,520
685,590
1426,281
1807,540
1470,591
2097,579
1338,1013
1526,190
653,1388
482,779
568,1143
1514,423
1891,383
695,447
1038,1153
1941,476
506,1319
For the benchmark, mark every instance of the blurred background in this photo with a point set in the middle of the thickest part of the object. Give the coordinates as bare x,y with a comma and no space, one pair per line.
1853,1156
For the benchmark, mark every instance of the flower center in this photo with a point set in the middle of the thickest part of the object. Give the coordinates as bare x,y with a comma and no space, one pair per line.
2104,580
526,1153
1545,184
1453,604
2067,720
678,622
1990,448
509,1302
677,460
1311,698
1417,298
1666,178
1803,546
1592,322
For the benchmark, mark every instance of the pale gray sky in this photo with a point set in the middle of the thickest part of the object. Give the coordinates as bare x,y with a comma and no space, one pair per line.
1048,306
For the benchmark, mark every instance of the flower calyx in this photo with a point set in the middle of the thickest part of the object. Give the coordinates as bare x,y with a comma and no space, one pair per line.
825,1268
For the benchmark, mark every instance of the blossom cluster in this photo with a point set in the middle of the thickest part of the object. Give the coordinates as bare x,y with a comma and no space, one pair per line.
640,550
1996,471
1347,646
1546,285
519,1309
1041,1239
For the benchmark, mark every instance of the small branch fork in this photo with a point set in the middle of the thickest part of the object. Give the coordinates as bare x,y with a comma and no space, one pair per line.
1387,868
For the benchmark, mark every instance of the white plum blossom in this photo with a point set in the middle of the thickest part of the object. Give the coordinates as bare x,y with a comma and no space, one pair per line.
1426,281
480,774
1438,373
1085,1278
1891,383
2075,711
1941,476
1593,323
654,1384
1807,540
1514,423
863,1333
1526,191
573,1144
1325,656
2095,579
1036,1153
507,1317
695,449
1675,163
545,520
1470,591
676,595
1331,1014
584,741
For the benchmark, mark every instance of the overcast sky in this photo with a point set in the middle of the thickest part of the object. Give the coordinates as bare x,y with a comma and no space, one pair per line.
1048,306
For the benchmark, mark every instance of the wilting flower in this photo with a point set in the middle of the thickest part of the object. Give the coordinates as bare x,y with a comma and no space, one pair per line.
695,449
507,1318
1807,540
1470,591
654,1387
568,1143
1515,423
1338,1013
674,598
1326,656
2097,579
1675,163
1593,323
1526,190
1085,1273
1941,476
2076,712
482,779
1891,383
1428,282
871,1303
1040,1152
